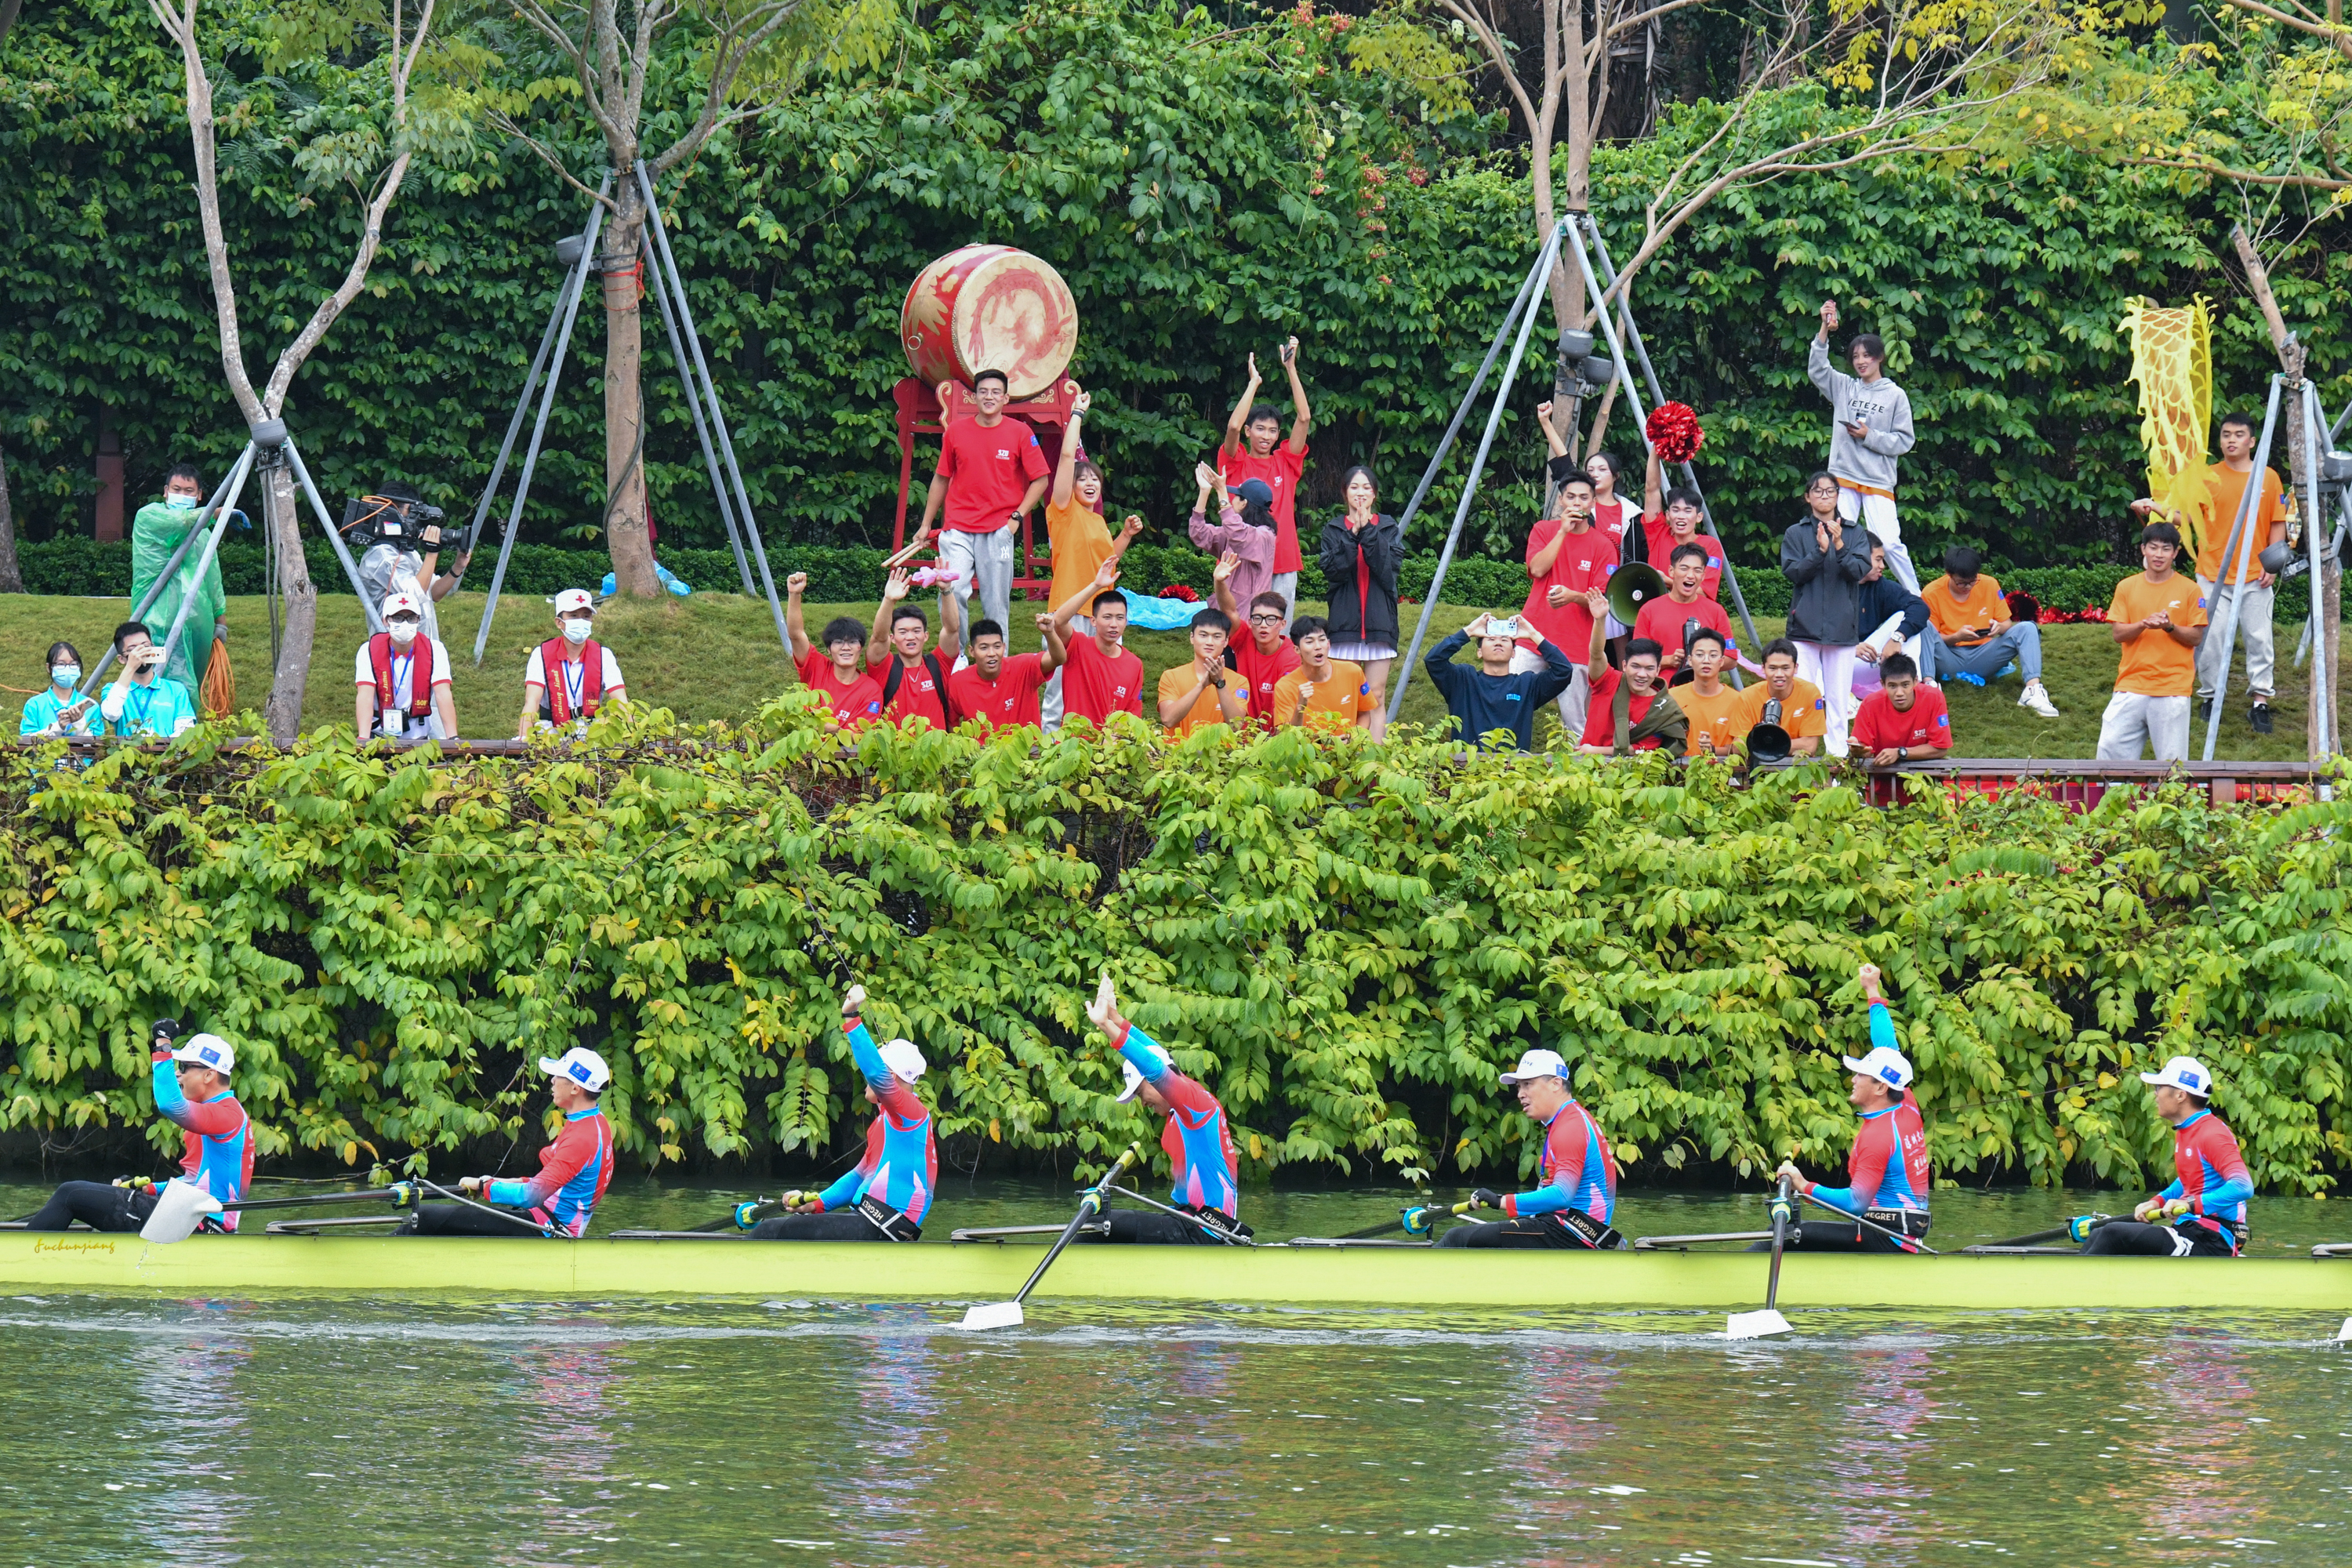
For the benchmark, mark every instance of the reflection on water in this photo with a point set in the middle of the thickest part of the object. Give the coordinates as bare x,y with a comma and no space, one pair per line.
358,1431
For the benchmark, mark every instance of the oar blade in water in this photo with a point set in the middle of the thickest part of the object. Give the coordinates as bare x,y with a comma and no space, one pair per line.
1756,1325
177,1209
992,1315
2344,1334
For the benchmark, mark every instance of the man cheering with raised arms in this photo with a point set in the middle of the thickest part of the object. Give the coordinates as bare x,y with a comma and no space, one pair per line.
1206,1202
1888,1174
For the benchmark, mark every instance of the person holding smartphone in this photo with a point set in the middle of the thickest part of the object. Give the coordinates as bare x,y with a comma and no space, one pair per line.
143,703
56,710
1490,699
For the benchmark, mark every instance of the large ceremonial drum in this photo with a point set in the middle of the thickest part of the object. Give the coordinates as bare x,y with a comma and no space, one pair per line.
989,307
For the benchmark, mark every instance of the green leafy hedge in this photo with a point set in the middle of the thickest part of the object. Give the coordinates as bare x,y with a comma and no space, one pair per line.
1346,941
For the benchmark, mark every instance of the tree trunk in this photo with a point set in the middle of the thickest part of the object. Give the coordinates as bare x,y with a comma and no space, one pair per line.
11,580
292,675
625,403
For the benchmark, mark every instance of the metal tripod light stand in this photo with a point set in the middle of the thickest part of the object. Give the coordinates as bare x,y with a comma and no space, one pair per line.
578,255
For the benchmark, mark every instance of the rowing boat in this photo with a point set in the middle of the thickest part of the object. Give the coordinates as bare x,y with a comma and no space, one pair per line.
351,1263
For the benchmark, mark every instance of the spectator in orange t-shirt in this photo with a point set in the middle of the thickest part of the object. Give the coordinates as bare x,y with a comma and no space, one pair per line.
2217,514
1978,637
1250,453
1325,692
836,670
1082,543
1711,707
2159,617
1903,720
1804,713
1206,690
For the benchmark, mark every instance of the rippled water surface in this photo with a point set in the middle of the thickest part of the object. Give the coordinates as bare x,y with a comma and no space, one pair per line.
391,1431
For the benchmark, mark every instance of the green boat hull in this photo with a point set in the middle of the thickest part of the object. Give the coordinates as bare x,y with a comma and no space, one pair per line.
82,1262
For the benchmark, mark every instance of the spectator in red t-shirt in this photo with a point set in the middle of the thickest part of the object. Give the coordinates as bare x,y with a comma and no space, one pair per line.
1250,452
1664,620
1001,692
1670,519
1263,657
1902,721
1566,557
992,472
914,683
853,697
1099,675
1654,721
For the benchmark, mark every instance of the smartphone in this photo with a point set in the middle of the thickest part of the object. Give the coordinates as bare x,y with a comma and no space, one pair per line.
1509,628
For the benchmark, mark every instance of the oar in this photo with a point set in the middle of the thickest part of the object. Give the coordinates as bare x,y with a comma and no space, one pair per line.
1872,1225
1756,1325
1007,1314
179,1206
1422,1221
746,1214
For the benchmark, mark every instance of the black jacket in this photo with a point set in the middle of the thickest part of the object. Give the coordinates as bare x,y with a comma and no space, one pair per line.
1358,616
1825,603
1885,598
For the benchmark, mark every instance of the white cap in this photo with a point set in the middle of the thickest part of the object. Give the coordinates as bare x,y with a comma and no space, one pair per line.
1534,1065
207,1051
572,599
582,1065
1884,1063
2182,1073
1134,1075
901,1057
395,603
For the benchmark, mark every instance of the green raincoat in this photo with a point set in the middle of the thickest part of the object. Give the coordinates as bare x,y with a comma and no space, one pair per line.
155,532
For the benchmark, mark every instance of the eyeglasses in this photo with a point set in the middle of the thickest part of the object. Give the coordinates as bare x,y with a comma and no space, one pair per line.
1265,620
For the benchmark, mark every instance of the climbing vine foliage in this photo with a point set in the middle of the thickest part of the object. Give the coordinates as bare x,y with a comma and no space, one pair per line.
1345,941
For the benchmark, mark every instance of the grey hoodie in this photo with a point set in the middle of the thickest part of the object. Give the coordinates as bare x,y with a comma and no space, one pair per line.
1881,404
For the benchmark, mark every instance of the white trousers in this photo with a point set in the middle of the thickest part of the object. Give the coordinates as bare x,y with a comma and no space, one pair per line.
1877,514
985,561
1286,584
1571,702
1829,666
2134,719
2254,630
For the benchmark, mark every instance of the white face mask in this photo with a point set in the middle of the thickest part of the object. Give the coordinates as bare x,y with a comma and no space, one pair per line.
403,632
180,504
65,674
575,632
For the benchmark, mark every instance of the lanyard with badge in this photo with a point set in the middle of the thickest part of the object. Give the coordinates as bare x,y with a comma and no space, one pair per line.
575,680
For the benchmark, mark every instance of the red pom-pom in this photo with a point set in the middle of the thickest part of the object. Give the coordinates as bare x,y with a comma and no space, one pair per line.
1673,433
1178,591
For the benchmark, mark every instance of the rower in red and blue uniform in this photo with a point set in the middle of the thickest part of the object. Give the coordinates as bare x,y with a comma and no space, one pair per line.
574,1171
1576,1196
192,1089
1206,1204
2203,1213
1888,1174
886,1197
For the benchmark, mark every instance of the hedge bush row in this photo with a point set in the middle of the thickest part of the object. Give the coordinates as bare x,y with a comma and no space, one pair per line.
1345,940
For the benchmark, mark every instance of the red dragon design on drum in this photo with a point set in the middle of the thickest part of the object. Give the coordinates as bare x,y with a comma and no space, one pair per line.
989,307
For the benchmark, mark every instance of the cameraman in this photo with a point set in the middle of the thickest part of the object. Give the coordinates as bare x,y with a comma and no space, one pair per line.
143,703
402,538
404,681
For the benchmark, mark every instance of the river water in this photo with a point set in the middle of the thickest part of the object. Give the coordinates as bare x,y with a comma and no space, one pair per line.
398,1431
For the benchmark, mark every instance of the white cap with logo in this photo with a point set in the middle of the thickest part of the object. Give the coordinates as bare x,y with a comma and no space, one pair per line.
207,1051
1134,1075
1884,1063
1534,1065
903,1057
582,1065
2185,1073
574,599
402,603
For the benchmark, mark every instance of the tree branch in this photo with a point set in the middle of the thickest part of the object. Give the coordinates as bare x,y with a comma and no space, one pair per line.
2222,171
182,26
2339,36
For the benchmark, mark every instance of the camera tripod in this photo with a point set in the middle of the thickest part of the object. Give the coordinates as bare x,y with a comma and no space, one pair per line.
578,255
267,447
1571,231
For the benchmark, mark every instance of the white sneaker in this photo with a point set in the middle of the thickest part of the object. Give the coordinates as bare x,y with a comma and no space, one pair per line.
2038,700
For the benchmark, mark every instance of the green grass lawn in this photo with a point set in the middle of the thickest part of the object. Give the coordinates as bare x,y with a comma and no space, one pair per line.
716,656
